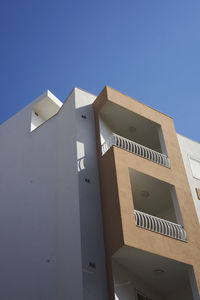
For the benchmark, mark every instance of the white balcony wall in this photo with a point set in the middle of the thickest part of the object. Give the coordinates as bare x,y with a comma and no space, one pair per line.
162,141
176,206
191,150
105,130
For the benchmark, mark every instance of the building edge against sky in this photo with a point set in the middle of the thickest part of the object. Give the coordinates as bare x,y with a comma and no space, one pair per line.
90,190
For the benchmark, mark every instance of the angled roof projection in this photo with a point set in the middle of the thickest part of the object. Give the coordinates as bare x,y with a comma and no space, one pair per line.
47,107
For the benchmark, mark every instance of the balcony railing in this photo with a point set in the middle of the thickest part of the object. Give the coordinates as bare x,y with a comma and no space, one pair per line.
135,148
161,226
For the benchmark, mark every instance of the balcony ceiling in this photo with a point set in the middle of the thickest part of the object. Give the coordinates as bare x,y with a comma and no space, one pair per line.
48,106
131,125
143,264
152,196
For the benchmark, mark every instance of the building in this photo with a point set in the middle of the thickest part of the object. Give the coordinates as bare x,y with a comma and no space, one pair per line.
99,200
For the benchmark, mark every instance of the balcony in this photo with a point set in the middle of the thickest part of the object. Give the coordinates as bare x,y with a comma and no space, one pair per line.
156,206
159,225
155,277
132,132
133,147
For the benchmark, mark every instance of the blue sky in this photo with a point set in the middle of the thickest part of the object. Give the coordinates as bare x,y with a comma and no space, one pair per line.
148,49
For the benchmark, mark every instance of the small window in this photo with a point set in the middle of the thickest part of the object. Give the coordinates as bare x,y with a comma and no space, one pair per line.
195,167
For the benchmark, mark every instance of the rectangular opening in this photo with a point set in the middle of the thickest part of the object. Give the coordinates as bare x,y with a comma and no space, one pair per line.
115,119
156,206
139,274
153,196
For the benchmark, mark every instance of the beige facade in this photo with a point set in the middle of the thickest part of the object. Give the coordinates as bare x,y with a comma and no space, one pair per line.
120,195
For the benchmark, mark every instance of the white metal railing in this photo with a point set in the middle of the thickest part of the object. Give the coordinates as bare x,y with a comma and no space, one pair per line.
135,148
161,226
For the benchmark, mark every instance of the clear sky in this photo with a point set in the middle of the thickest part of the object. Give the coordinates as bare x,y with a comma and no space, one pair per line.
147,49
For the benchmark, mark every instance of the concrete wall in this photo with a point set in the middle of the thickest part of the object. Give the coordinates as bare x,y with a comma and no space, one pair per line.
94,276
40,253
190,148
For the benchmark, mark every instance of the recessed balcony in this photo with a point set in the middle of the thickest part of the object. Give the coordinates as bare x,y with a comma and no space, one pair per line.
156,206
132,132
138,274
133,147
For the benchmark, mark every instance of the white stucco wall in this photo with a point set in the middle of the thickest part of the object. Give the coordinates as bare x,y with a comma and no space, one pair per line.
50,217
94,279
190,148
40,255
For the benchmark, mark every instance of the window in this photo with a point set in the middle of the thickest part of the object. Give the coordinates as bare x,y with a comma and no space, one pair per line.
195,167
